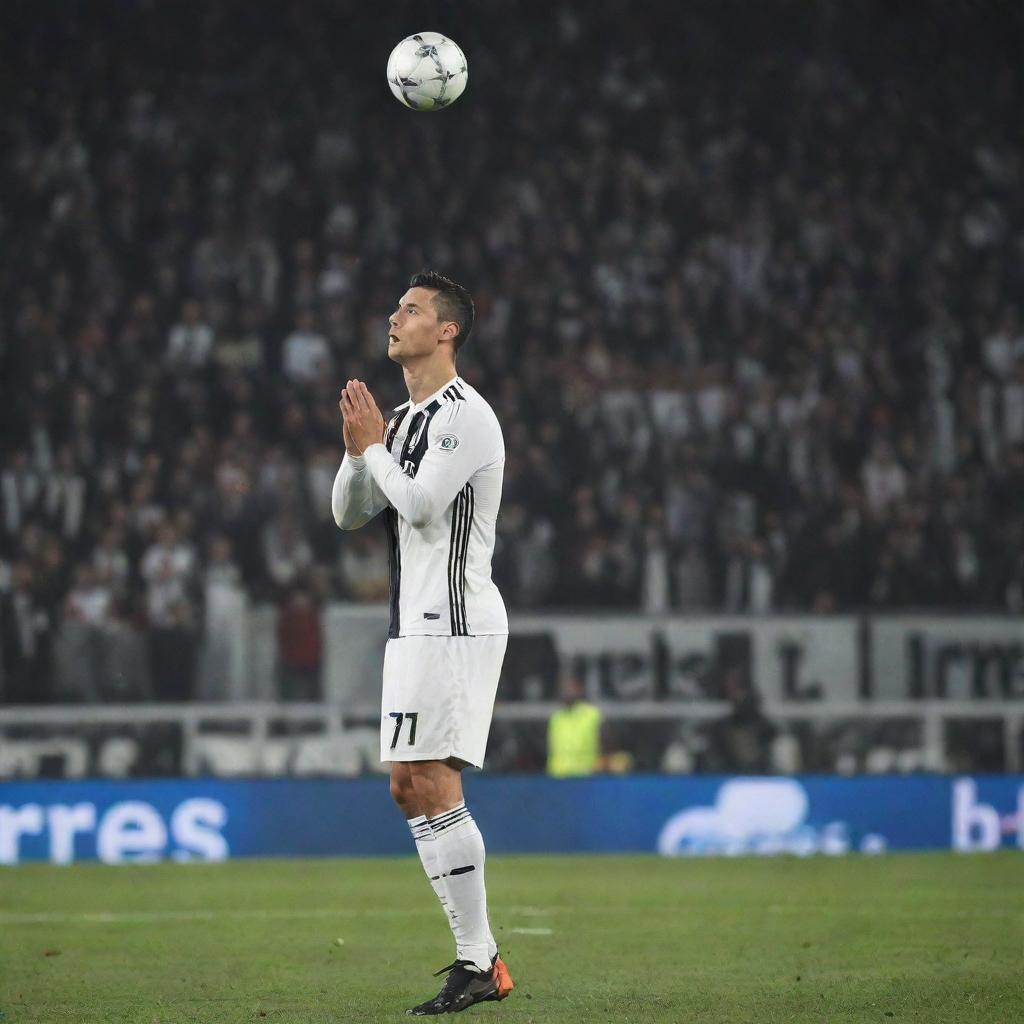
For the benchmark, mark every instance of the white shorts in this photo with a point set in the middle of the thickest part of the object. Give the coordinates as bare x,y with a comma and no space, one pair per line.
438,697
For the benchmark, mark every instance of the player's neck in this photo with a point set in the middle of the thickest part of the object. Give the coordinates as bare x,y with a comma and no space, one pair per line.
424,379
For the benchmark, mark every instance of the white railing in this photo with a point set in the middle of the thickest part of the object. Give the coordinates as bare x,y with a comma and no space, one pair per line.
350,733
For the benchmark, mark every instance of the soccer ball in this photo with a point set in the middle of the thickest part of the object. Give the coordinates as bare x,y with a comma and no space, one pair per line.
427,71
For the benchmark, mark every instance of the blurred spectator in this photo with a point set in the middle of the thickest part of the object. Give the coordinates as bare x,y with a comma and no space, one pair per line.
127,662
190,341
111,561
169,567
575,745
741,742
89,600
885,480
286,551
25,640
300,645
364,567
785,312
82,637
656,573
225,624
692,586
306,355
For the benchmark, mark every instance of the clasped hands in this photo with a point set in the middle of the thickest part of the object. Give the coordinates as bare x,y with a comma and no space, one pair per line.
362,422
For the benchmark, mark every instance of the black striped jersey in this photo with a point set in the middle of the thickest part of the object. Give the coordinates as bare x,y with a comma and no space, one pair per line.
437,480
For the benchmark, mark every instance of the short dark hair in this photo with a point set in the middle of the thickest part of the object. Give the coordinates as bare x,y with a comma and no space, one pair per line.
452,302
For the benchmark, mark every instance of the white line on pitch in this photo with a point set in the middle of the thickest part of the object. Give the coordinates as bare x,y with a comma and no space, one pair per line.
150,916
146,917
531,931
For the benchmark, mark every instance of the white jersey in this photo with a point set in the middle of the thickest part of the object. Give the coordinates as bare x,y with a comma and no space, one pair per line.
437,479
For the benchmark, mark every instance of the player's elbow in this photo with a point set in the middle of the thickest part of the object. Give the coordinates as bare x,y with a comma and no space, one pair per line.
352,524
347,520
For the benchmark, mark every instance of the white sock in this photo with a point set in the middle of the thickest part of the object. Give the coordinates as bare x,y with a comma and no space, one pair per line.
423,837
460,855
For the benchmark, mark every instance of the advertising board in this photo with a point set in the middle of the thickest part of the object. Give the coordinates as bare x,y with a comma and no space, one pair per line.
625,657
951,658
210,820
788,658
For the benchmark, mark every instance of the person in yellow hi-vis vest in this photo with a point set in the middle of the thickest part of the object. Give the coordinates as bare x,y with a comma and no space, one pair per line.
575,735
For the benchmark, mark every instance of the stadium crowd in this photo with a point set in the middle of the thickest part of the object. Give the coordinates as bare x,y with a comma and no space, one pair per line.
756,340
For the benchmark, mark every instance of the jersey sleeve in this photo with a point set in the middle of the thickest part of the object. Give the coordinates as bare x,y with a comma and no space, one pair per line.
355,497
462,440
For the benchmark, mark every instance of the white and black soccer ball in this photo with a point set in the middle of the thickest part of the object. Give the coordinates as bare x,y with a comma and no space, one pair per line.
427,71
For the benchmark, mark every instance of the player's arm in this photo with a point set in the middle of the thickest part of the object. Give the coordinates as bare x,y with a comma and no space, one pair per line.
355,498
461,441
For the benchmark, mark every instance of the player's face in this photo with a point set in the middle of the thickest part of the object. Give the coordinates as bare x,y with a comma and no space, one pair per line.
414,328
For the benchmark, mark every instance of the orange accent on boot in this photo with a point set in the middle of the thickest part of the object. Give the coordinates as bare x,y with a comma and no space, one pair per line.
503,978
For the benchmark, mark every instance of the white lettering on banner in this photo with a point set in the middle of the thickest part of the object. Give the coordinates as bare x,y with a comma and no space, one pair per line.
757,816
131,830
978,826
63,823
16,822
194,825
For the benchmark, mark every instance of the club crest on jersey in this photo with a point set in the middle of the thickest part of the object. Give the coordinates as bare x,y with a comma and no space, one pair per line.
447,442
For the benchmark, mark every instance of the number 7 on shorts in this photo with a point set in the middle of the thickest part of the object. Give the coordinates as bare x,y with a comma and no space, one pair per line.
410,717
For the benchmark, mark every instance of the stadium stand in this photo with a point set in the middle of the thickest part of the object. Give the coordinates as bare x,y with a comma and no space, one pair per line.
756,340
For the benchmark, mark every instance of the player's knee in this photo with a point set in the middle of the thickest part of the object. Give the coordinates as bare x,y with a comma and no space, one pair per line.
437,785
398,791
403,794
420,780
422,775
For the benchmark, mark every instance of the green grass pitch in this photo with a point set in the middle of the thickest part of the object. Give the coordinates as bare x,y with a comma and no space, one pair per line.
932,938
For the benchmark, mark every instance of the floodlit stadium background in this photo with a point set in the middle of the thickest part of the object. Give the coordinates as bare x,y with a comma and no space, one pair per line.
748,283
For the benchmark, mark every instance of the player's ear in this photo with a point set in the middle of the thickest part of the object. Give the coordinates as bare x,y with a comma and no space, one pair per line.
449,331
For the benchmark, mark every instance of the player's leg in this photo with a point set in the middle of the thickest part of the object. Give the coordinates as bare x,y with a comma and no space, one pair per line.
435,716
478,973
436,785
404,795
402,791
471,667
460,856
